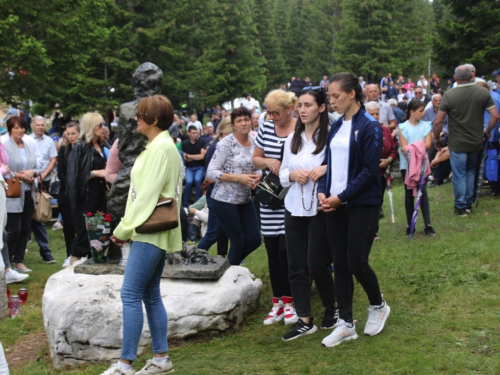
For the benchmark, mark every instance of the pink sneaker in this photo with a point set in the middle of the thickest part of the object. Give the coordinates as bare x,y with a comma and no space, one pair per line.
290,313
276,314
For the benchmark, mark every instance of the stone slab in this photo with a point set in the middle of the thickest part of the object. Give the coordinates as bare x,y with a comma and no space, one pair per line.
208,271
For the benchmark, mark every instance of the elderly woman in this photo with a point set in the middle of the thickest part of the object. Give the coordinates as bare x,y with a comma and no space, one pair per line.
235,176
267,155
157,173
86,186
23,163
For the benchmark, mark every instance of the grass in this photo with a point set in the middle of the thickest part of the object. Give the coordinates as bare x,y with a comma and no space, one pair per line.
444,293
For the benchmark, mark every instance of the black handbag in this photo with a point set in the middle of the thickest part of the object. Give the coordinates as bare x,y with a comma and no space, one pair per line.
270,191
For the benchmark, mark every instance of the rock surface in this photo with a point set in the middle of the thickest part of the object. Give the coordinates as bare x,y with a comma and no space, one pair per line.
83,313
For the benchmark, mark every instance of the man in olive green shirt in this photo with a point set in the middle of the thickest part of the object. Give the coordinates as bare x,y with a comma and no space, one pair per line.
465,106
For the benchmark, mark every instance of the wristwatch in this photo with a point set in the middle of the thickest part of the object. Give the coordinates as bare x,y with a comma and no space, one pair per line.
92,174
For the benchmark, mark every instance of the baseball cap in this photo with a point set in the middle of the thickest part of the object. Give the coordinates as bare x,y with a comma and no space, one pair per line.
496,72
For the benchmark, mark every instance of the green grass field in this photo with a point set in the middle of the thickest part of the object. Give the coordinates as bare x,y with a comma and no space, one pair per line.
444,293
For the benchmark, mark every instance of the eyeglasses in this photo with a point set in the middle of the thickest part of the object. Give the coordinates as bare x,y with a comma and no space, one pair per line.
274,113
418,92
137,114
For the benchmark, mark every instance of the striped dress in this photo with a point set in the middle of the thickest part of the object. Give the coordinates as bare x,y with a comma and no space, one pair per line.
272,221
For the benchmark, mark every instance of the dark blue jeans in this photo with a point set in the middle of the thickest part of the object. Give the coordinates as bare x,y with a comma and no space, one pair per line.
240,223
351,231
214,233
194,175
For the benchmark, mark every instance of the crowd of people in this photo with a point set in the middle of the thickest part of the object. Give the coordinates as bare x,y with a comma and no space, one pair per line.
306,173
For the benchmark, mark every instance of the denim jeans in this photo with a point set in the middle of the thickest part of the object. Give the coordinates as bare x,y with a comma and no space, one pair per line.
141,282
193,175
214,232
308,250
463,165
351,231
240,223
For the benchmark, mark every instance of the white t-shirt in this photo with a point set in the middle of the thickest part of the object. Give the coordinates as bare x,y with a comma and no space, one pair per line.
339,158
424,85
249,104
195,123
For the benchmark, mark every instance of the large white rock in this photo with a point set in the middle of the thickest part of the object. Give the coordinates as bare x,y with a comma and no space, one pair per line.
83,313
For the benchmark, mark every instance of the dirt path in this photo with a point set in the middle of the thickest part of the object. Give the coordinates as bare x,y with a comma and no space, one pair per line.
26,350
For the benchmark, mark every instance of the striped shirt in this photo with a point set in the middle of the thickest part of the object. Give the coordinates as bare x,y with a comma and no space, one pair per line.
272,221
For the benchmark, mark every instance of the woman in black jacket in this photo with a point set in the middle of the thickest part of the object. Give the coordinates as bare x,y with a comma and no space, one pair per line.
86,186
72,134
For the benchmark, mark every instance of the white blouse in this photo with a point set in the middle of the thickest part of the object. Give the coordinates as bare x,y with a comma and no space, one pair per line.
301,200
339,158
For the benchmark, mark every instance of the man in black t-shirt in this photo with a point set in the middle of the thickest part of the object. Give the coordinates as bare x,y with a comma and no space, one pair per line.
194,155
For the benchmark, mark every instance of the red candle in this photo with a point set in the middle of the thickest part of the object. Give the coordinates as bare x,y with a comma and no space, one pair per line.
23,294
8,293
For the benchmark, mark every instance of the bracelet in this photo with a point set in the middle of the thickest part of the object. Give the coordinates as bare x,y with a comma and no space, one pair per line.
389,160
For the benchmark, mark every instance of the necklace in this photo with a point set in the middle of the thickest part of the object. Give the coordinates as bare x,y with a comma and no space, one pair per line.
312,197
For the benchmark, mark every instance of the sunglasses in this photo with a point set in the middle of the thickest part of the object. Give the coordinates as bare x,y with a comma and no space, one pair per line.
101,125
138,114
312,88
274,113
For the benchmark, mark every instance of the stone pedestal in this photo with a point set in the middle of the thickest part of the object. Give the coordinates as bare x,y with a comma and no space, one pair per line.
4,312
83,313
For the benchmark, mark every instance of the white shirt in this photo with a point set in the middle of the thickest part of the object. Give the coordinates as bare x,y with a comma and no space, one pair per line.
424,85
339,158
249,104
301,200
195,123
400,97
47,148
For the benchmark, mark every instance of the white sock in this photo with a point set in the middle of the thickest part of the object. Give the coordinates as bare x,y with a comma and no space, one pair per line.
160,359
124,366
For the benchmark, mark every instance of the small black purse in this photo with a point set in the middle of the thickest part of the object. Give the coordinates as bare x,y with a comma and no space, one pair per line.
270,191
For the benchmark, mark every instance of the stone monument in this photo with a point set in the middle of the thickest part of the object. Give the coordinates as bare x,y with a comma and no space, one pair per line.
146,81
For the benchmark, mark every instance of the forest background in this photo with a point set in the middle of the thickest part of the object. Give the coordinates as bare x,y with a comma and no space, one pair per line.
79,55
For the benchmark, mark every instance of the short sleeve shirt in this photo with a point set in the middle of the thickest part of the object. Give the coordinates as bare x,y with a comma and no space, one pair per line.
386,114
412,134
465,106
47,148
194,149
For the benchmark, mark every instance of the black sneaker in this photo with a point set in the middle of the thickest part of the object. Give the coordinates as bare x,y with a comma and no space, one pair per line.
299,329
429,231
468,209
47,258
460,212
330,318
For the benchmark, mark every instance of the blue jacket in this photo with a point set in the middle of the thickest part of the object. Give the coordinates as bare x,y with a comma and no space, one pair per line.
363,177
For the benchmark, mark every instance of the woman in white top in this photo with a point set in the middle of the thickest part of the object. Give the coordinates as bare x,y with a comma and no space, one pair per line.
234,174
305,227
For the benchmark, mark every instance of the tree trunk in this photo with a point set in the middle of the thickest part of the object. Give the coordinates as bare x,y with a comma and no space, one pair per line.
4,312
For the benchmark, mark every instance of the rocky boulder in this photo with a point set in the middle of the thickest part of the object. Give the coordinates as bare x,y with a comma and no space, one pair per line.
83,313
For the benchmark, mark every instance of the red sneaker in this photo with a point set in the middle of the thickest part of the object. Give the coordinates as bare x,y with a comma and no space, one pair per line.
276,314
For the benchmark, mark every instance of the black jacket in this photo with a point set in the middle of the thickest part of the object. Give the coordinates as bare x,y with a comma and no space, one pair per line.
78,173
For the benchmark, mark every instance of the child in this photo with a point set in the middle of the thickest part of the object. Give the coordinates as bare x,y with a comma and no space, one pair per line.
412,131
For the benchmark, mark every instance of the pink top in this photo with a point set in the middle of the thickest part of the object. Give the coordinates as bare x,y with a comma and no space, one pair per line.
408,85
114,164
4,159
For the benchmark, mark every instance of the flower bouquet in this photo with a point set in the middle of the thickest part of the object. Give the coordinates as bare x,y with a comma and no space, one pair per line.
99,231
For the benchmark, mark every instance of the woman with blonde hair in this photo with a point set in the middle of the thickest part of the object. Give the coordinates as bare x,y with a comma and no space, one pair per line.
86,186
268,156
214,232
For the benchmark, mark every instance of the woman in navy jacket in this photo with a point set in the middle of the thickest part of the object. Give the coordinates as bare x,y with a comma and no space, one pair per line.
350,193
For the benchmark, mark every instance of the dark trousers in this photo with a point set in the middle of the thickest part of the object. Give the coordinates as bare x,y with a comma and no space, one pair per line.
19,229
442,171
96,202
277,260
240,223
68,227
307,250
410,203
40,231
350,236
214,233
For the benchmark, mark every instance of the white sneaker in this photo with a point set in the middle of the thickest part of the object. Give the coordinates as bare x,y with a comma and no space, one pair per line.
57,226
153,367
376,319
12,276
115,369
340,334
276,314
66,263
291,316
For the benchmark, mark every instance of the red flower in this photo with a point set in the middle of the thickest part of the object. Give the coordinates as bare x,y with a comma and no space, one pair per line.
107,218
89,214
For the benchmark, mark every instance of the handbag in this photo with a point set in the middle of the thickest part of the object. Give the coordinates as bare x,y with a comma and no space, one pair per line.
14,187
43,211
270,191
165,215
